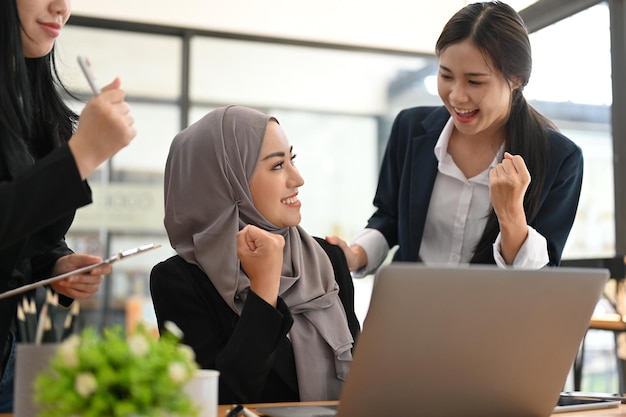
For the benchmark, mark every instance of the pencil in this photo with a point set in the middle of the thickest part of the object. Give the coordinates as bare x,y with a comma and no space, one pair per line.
30,311
74,310
41,323
67,326
52,299
49,335
21,325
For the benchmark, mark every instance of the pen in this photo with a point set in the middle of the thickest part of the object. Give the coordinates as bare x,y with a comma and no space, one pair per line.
85,66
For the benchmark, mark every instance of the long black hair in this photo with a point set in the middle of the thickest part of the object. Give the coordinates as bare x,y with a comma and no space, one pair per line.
33,116
499,32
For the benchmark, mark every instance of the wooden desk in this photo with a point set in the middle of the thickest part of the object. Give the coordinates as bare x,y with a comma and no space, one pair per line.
224,408
612,322
609,412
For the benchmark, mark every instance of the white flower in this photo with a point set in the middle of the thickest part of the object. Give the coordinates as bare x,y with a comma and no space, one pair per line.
69,351
177,372
171,327
85,384
188,353
138,345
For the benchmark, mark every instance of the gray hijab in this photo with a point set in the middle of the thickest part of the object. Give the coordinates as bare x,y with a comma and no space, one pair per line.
208,200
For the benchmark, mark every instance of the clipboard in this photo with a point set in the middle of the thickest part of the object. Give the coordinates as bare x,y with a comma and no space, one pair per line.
121,255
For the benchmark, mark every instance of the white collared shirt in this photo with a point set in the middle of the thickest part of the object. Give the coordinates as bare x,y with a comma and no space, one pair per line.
457,215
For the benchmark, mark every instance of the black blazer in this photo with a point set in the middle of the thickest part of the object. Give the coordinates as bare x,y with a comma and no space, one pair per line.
408,173
36,210
252,352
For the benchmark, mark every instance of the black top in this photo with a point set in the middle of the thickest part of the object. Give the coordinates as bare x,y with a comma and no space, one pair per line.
251,351
36,210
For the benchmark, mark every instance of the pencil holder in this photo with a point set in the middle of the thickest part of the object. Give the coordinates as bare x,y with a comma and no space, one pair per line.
30,360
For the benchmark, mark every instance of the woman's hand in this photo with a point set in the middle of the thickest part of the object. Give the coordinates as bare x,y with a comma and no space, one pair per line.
355,255
105,126
82,286
261,255
508,183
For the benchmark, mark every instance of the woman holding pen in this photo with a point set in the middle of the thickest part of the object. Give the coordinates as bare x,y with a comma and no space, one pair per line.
46,154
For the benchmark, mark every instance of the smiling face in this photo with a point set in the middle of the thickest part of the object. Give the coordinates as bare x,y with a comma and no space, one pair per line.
275,181
477,96
42,21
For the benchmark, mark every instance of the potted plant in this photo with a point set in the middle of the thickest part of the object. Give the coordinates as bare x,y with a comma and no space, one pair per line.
112,375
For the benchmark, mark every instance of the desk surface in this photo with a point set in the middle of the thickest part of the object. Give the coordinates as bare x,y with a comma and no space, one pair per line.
609,412
613,322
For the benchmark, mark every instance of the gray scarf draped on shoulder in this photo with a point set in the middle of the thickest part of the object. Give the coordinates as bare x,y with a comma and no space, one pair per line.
208,200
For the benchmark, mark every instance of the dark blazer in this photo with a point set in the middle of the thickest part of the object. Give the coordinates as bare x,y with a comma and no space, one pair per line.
408,173
252,352
36,210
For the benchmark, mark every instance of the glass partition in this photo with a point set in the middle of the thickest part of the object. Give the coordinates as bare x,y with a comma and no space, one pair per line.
330,102
571,84
336,107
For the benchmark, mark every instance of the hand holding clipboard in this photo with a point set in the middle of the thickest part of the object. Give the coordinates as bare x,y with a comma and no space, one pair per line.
123,254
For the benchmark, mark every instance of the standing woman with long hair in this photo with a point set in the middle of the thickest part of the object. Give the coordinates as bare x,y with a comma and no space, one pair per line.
46,154
482,179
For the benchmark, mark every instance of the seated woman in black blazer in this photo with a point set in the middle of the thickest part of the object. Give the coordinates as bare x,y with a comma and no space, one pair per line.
256,297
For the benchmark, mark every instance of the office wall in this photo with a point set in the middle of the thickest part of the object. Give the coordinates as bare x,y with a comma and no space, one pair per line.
390,24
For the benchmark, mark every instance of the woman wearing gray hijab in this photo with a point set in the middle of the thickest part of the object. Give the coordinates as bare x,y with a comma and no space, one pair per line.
255,296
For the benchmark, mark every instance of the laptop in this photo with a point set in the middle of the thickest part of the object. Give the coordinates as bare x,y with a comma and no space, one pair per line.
477,341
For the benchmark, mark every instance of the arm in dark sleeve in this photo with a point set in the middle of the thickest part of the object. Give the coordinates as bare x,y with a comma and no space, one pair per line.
557,211
42,266
248,357
385,217
408,170
242,347
47,191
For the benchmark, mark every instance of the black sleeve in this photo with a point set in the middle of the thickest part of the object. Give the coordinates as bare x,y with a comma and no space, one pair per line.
405,128
50,189
249,355
42,266
557,211
241,348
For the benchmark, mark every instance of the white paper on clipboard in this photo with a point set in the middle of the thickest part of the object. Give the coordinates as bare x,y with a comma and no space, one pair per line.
121,255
